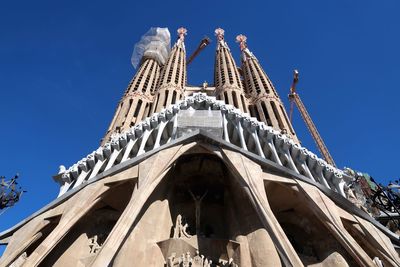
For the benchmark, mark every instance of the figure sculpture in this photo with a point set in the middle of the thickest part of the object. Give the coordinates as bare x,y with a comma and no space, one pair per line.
180,229
94,245
197,203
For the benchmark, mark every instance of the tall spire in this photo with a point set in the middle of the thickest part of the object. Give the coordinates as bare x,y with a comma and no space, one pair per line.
173,75
226,76
136,103
265,103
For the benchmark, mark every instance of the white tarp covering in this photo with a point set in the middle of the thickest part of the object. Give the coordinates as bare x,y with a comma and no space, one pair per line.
156,44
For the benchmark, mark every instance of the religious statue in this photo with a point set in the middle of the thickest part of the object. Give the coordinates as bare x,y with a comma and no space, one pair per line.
197,202
198,260
185,260
180,229
94,245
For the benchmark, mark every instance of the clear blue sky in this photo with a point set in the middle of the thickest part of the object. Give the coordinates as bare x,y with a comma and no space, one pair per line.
64,66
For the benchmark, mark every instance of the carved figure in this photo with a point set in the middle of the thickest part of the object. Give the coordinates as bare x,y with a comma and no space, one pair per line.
171,260
231,263
94,245
197,204
197,260
187,260
180,229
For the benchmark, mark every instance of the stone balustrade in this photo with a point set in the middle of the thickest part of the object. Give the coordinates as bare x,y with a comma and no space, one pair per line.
238,129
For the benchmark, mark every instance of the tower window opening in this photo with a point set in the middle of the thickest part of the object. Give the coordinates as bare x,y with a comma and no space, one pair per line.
257,86
226,97
150,107
160,78
254,112
173,97
222,72
129,107
138,106
250,86
178,70
141,71
235,101
166,98
144,89
146,110
229,67
148,75
158,100
243,86
169,76
243,103
266,88
266,114
154,82
276,113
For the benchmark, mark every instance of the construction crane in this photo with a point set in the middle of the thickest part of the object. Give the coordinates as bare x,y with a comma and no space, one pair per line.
294,98
203,43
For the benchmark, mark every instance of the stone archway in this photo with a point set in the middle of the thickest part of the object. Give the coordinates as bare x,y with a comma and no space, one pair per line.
198,206
84,240
312,241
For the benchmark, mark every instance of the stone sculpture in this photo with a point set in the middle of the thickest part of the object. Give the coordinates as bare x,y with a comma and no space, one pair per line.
180,229
197,202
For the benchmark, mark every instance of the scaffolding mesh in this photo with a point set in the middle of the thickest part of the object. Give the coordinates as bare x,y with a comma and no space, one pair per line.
155,44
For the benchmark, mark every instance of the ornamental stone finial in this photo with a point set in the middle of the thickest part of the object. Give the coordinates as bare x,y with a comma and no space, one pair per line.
220,34
61,169
242,40
181,33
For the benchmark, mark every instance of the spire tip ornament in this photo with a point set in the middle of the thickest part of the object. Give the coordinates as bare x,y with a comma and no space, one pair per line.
181,33
242,40
219,33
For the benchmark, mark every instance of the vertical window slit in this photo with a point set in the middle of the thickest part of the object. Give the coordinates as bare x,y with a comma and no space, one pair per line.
276,113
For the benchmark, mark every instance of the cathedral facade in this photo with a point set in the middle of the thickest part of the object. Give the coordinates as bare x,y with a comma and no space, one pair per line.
210,175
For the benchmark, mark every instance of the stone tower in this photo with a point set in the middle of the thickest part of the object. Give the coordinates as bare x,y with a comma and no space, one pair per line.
228,84
265,103
137,101
200,183
173,77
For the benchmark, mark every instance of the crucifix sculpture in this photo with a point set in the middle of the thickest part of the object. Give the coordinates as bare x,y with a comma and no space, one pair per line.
197,202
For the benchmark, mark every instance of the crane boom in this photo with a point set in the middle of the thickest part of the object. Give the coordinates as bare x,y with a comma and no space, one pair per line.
294,97
203,43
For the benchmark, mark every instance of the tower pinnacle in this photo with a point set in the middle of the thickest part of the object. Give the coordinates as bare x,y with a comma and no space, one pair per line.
220,34
265,103
135,105
173,75
242,39
228,84
181,33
